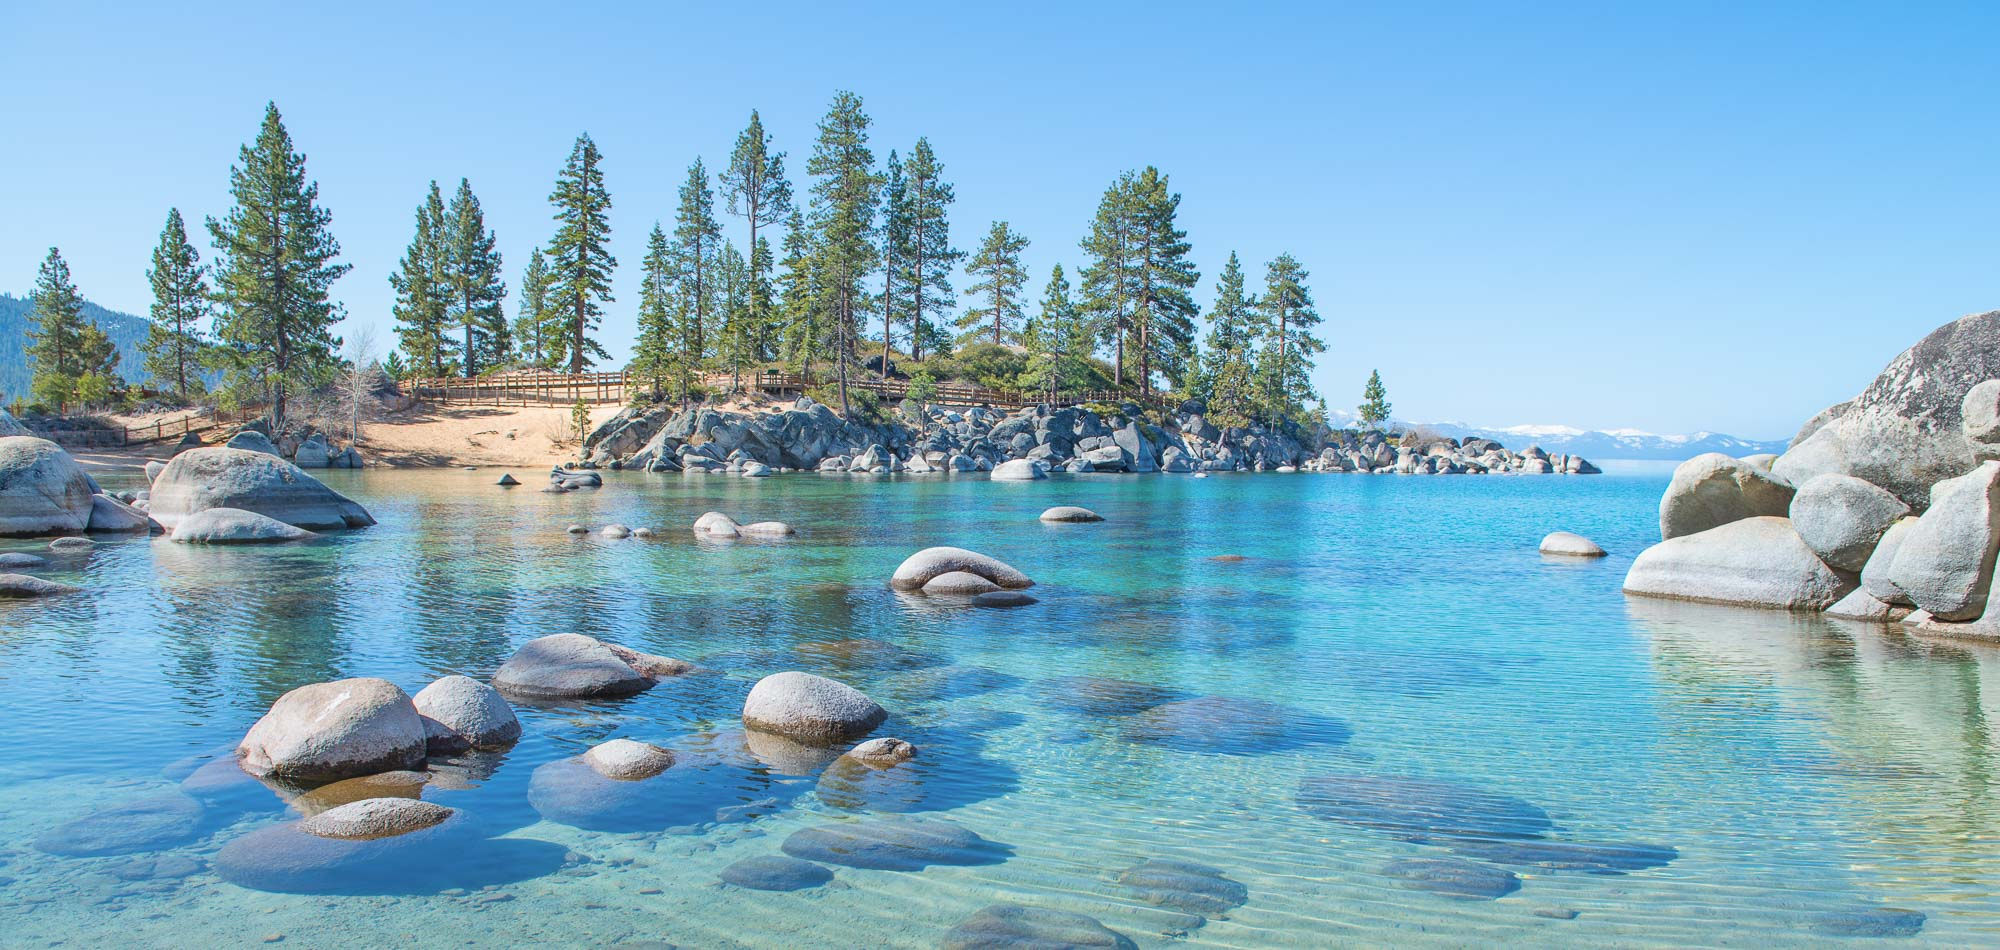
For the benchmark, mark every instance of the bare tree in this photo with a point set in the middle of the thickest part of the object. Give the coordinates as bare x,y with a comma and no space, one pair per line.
357,384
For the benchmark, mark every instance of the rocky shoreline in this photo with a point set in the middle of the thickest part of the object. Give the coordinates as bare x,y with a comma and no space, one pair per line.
1885,508
1028,443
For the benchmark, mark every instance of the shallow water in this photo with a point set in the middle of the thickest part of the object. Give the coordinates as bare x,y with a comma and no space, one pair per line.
1390,704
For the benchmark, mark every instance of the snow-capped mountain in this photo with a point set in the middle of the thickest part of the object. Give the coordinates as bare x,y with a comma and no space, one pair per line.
1596,444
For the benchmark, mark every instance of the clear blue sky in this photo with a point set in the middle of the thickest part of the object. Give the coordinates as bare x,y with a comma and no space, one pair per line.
1668,216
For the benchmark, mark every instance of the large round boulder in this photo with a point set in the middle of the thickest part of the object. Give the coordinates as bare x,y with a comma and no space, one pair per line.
42,490
325,732
1568,544
1875,576
1713,489
372,818
1070,514
110,516
22,586
200,479
963,583
926,565
235,526
1755,562
145,824
1905,431
810,708
628,760
461,713
1018,470
574,666
1945,562
1842,517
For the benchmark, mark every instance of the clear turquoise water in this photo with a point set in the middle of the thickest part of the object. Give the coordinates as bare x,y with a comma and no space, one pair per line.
1808,773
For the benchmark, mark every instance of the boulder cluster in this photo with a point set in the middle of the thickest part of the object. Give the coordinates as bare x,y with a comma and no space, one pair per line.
1025,445
306,451
1885,508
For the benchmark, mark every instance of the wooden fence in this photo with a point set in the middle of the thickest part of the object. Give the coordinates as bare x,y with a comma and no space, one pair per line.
554,389
159,430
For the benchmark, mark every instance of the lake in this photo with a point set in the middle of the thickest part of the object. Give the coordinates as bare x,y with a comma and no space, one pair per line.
1390,722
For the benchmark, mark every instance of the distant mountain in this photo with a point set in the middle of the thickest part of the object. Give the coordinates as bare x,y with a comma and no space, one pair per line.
17,317
1605,443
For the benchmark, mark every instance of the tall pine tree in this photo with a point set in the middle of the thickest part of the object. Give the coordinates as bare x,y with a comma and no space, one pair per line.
844,200
531,321
997,264
737,347
580,258
175,342
930,258
798,299
1058,340
478,294
698,237
1289,347
757,190
1107,279
896,251
275,270
1374,409
423,290
56,344
1225,378
657,354
1164,311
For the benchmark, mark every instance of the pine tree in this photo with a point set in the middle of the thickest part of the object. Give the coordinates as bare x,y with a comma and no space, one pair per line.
998,265
1288,318
658,352
1232,326
798,299
930,258
896,252
757,190
56,344
1107,280
843,204
175,342
531,322
275,270
761,298
698,237
1374,408
1164,312
423,290
738,345
1057,339
478,293
580,283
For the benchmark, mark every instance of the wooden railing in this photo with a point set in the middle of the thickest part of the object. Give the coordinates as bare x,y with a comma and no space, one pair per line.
534,388
158,430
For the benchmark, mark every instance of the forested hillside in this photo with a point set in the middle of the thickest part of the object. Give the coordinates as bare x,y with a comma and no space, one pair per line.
17,318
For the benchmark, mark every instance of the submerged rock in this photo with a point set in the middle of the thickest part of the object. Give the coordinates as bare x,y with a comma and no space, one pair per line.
772,872
766,529
21,586
1756,562
895,844
235,526
1453,877
712,779
42,489
1096,697
1227,726
71,545
1877,922
400,784
810,708
323,732
573,666
15,560
1184,886
1003,598
883,752
284,858
375,818
146,824
1611,858
1420,809
200,479
1014,926
920,568
461,713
